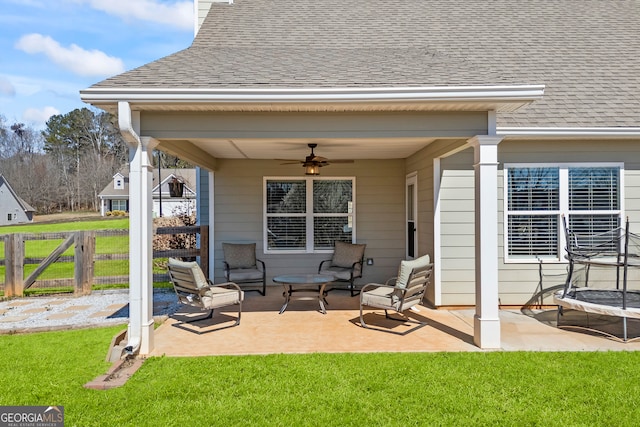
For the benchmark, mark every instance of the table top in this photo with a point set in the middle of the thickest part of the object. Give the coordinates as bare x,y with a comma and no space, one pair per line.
311,279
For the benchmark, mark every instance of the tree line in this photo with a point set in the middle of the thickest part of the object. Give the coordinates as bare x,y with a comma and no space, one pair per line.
65,166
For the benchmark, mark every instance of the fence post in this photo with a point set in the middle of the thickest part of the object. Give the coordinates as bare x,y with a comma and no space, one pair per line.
85,247
14,261
204,249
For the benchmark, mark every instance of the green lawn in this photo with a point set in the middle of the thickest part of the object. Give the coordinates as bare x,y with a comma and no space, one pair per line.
101,224
397,389
42,248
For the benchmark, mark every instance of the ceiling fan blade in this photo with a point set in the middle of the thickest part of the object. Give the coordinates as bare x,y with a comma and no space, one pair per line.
313,160
340,161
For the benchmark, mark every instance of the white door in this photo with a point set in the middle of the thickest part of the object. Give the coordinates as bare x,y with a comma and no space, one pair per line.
412,215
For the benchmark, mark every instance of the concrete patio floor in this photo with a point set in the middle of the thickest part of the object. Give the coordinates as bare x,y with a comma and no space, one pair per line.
303,329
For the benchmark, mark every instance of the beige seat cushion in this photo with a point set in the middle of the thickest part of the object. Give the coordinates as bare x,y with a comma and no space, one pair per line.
220,297
380,297
243,274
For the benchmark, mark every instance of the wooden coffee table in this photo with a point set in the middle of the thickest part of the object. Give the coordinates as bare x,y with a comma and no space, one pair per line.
304,283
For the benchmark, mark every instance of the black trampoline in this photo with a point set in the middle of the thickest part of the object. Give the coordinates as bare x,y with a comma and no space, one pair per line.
616,250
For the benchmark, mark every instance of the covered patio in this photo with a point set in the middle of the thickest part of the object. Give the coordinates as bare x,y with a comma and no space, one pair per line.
431,118
233,168
303,329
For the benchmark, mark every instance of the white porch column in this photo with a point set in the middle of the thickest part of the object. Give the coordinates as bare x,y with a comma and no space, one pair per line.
140,330
141,246
486,325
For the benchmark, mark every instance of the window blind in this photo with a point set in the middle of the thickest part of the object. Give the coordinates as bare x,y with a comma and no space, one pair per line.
300,212
534,189
593,189
537,197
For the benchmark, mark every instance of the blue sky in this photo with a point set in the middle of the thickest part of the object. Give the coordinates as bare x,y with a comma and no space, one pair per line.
52,49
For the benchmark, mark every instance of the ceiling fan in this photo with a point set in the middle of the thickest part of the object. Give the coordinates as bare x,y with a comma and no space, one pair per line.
312,163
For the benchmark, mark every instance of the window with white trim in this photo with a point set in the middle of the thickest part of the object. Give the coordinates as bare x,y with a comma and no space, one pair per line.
307,215
537,196
119,205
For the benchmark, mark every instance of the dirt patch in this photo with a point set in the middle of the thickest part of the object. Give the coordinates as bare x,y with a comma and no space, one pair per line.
66,217
118,375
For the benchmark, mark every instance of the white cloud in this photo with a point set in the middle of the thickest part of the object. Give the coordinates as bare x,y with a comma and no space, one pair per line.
178,14
39,117
6,88
73,58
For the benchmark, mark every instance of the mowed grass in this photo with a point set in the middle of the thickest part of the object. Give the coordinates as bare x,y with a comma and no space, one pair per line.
376,389
42,248
71,225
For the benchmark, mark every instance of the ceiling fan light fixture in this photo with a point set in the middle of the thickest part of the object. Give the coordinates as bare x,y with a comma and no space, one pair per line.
311,168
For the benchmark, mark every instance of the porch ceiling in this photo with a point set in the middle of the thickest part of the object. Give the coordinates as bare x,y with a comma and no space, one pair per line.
297,149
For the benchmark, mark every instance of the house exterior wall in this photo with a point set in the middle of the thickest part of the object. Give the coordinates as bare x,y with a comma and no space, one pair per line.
202,196
519,280
224,125
238,213
422,163
174,207
9,205
457,227
380,193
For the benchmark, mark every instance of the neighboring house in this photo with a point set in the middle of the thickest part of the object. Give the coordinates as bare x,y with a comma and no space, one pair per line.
474,127
13,210
168,200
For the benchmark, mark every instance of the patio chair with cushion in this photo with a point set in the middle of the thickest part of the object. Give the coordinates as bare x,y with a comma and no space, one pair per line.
345,265
241,265
398,293
193,289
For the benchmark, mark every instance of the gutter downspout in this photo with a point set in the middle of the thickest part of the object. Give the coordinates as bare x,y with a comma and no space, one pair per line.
140,329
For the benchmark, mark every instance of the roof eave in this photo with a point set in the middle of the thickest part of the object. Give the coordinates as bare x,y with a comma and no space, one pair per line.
472,98
568,132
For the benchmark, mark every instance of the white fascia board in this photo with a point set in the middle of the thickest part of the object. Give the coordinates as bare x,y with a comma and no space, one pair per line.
515,93
609,132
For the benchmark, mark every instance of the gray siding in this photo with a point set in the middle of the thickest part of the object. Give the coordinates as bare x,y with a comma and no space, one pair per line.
380,215
457,224
202,196
194,125
422,164
519,281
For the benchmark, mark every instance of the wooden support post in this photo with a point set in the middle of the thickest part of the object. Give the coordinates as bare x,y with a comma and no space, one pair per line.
204,249
14,261
85,248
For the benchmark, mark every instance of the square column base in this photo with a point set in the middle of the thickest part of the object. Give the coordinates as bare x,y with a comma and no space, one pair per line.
147,343
486,332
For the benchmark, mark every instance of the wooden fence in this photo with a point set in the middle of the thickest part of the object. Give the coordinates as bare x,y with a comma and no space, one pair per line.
84,257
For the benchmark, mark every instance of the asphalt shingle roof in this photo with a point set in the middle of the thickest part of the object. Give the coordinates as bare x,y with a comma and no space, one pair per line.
586,52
